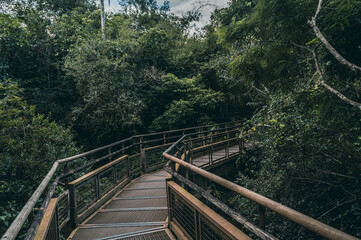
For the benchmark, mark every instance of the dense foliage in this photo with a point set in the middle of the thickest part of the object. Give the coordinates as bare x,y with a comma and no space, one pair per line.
306,141
253,61
30,143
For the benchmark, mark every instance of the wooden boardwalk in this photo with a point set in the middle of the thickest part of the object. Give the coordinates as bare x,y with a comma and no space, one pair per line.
139,211
204,160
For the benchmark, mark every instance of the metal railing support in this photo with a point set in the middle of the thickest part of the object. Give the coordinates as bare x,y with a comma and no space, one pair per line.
297,217
73,207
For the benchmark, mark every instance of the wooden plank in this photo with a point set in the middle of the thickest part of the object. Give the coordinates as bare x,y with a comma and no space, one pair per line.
45,222
96,171
222,224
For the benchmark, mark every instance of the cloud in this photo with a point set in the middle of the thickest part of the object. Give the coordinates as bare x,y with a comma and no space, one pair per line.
180,7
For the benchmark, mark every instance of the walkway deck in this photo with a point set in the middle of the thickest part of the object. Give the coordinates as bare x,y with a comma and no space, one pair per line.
139,208
137,212
204,160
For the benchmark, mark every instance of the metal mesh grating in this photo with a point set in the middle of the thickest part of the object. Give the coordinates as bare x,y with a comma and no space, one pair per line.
137,203
106,181
121,169
63,208
160,235
209,232
155,156
147,184
146,192
184,215
134,161
53,229
129,217
85,195
94,233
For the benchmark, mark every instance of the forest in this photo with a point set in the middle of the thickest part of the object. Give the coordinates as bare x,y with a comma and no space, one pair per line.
289,70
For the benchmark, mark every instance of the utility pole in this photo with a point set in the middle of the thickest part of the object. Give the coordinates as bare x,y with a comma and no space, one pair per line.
102,18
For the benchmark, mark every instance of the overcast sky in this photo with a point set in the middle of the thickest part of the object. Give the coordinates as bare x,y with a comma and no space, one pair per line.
182,6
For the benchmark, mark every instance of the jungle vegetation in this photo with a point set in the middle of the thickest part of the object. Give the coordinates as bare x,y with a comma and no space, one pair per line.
64,89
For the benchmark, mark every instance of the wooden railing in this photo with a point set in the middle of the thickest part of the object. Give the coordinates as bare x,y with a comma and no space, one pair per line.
193,219
49,226
180,166
89,192
143,155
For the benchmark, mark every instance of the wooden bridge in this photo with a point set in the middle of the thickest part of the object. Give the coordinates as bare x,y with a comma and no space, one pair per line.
152,186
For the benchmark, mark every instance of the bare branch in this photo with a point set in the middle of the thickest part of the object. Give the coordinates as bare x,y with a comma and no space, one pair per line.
337,206
337,174
333,51
329,47
334,91
318,10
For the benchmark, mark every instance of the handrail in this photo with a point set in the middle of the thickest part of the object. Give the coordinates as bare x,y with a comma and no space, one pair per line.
297,217
20,219
23,215
218,203
202,215
184,129
116,182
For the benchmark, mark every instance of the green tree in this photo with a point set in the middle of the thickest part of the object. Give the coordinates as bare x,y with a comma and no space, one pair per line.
307,142
109,105
30,143
187,102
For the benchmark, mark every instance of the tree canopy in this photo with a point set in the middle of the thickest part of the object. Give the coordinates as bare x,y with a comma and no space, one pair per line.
265,62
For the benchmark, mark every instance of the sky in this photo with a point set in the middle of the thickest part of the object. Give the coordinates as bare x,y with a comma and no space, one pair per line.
182,6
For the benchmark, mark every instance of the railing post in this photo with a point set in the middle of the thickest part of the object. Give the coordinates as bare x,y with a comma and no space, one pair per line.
191,151
67,227
115,177
97,186
172,166
227,144
73,207
185,152
211,149
109,152
56,219
261,217
127,162
197,223
203,141
143,160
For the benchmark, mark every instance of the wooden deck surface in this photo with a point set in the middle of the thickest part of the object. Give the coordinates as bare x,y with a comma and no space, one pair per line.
139,211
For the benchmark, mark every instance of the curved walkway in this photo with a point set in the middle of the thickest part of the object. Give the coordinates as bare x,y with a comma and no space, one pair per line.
139,211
